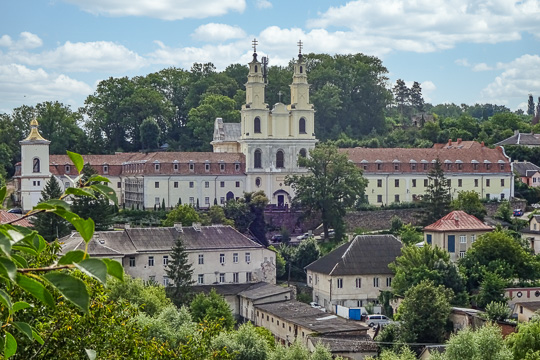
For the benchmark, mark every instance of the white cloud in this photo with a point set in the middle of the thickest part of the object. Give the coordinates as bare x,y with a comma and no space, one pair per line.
218,32
6,41
23,85
82,57
26,40
432,25
482,67
428,88
462,62
519,78
263,4
161,9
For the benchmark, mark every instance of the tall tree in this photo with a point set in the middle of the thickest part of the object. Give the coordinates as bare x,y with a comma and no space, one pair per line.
436,199
97,208
248,214
212,307
50,225
402,95
417,100
530,105
469,201
150,134
180,273
332,185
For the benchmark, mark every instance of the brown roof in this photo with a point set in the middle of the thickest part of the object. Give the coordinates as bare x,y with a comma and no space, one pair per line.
458,221
6,217
366,254
531,305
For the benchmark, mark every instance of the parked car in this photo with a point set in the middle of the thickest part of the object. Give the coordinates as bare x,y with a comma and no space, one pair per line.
15,211
378,319
302,237
315,305
518,212
277,238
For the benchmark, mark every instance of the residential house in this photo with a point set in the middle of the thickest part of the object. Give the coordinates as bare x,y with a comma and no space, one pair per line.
522,139
7,217
527,172
356,347
431,350
455,232
219,254
401,174
526,310
532,233
522,295
355,273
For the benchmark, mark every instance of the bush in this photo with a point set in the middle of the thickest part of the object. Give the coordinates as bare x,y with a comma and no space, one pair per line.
497,311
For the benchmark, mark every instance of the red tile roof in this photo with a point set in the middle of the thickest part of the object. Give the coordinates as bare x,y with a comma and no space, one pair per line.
6,217
458,221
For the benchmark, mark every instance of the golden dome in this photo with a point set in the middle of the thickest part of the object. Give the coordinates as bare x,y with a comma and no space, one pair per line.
34,132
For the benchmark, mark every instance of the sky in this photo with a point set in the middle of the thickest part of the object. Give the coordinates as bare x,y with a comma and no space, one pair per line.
485,51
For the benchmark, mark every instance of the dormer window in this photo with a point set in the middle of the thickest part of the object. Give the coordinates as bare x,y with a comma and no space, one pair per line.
222,167
105,169
175,166
237,167
191,166
67,169
257,125
396,166
156,167
207,167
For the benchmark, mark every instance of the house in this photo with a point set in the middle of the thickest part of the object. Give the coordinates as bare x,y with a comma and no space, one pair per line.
219,254
292,320
522,295
348,347
457,225
532,233
400,174
528,172
7,217
431,350
526,310
522,139
354,274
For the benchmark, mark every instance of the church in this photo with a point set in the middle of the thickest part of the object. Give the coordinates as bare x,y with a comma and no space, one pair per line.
255,154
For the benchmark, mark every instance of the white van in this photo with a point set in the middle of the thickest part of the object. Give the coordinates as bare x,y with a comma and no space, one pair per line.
373,320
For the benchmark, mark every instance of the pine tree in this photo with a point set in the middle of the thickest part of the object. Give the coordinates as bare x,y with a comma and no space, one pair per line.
401,95
530,105
97,208
436,200
180,274
50,225
417,101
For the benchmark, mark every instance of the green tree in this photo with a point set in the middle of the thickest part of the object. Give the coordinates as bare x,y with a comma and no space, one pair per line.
530,105
410,235
248,214
332,185
504,212
150,134
491,290
402,95
404,353
525,342
49,225
150,297
498,311
469,201
180,273
424,313
184,214
417,100
245,343
98,208
212,307
418,264
280,262
307,252
436,199
484,343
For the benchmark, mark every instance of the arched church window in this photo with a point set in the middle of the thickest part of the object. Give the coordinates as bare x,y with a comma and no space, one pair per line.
257,160
301,69
280,159
256,68
302,126
36,165
257,125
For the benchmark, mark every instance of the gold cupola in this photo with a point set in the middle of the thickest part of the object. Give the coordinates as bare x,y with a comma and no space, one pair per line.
34,132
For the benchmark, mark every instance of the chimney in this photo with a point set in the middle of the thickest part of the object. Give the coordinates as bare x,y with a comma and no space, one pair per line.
482,144
127,226
459,141
197,226
449,142
178,227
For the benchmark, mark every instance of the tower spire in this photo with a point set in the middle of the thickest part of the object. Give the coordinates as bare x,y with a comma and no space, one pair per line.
254,46
300,44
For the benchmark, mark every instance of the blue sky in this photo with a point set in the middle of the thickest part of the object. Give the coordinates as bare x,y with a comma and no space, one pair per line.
460,51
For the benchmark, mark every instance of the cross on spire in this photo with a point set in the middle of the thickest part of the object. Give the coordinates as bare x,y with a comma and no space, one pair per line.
279,95
254,42
299,46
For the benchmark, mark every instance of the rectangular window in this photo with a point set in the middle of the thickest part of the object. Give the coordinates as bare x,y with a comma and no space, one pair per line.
340,283
475,166
222,184
396,167
388,281
502,182
235,277
365,166
150,261
488,196
237,167
425,182
238,184
488,182
413,166
207,200
200,279
248,277
222,200
222,258
460,166
379,166
206,167
132,261
176,184
191,184
156,200
358,283
156,184
191,167
192,201
396,182
396,198
248,257
473,238
156,167
475,182
222,277
152,278
375,282
235,258
448,166
165,281
207,184
425,166
379,182
488,166
413,182
463,239
449,182
460,183
379,198
165,260
201,259
119,184
222,167
462,254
